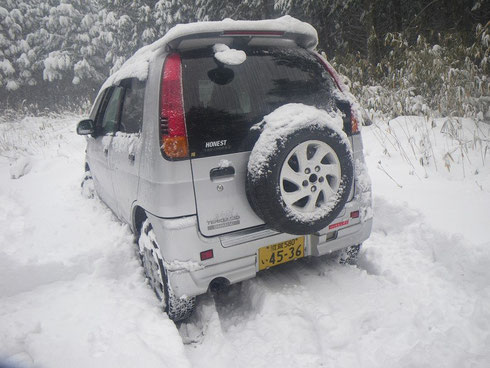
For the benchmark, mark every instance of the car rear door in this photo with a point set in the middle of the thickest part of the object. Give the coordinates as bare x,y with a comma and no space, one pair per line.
222,103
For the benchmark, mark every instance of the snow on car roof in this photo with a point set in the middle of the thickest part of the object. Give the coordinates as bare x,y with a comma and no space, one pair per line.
137,65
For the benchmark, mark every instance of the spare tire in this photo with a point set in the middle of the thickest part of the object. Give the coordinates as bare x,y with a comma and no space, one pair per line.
302,185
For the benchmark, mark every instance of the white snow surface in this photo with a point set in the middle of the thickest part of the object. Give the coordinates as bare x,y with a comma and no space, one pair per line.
20,167
137,65
72,292
228,56
179,223
363,190
224,163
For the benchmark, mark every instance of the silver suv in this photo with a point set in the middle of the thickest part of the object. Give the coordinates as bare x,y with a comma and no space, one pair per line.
229,148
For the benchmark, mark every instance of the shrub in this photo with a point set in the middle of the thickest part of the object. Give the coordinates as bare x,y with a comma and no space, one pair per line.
419,78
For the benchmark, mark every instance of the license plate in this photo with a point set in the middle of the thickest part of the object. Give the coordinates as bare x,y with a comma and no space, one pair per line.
276,254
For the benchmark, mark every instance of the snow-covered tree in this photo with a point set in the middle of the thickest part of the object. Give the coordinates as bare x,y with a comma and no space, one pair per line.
168,13
67,47
48,43
18,58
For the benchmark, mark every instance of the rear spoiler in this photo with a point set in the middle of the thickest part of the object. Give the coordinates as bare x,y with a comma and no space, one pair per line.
276,38
272,32
284,28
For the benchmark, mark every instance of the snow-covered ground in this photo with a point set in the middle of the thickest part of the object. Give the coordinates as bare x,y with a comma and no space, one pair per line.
72,293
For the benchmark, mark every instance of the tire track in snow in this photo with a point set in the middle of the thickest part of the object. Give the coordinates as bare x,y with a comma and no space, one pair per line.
417,299
72,292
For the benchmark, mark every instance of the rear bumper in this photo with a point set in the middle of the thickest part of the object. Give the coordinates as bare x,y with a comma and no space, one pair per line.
235,256
189,276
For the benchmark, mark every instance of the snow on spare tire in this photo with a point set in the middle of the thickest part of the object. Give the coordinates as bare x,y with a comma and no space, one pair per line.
300,170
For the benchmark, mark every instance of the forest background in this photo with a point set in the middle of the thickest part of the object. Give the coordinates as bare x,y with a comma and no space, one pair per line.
416,57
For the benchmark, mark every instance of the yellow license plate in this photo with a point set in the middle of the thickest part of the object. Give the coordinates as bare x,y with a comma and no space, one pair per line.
276,254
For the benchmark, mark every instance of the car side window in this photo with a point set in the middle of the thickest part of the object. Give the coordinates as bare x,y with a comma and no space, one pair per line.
132,110
96,106
110,113
98,109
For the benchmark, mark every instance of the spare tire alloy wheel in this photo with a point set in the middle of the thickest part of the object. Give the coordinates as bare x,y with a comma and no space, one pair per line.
304,185
317,177
176,308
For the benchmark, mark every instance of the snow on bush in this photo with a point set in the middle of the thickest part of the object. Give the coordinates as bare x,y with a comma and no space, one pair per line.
418,78
20,167
56,63
452,147
442,93
6,67
29,136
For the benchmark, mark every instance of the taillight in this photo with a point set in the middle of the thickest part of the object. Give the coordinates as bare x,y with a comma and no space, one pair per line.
354,119
354,214
172,123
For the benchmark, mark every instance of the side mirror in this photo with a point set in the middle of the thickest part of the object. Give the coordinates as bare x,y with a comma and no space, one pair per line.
86,127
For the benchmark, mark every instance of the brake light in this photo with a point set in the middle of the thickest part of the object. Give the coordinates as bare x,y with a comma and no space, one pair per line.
253,33
172,123
354,119
207,254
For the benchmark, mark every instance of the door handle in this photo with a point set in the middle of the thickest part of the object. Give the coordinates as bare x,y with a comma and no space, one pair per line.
221,173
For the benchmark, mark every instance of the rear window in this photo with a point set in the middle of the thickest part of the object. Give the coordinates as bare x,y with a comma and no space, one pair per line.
223,102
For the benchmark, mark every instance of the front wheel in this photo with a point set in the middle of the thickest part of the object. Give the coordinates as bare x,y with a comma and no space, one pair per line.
177,308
